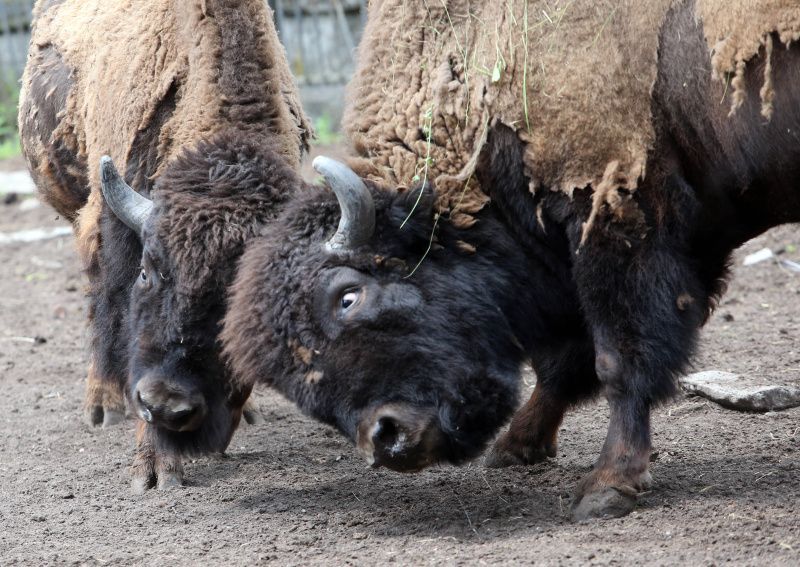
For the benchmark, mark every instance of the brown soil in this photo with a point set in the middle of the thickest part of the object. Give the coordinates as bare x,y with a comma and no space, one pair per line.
292,491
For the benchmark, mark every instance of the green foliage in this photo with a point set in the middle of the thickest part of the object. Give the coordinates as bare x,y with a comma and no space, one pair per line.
10,147
9,99
326,134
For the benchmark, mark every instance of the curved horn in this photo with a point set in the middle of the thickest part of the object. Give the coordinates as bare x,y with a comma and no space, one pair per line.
130,207
358,210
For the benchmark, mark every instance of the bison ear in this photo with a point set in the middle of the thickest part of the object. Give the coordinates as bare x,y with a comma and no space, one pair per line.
412,212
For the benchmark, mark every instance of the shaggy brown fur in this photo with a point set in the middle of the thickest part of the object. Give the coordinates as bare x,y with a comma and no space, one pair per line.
190,52
195,101
211,201
573,79
141,81
736,31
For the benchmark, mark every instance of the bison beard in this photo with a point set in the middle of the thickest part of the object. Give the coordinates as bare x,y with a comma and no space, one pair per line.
411,343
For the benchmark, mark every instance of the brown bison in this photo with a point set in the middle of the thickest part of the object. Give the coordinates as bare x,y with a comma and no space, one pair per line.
196,103
583,220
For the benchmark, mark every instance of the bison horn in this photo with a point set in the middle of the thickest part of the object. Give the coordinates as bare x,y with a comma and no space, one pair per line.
357,223
130,207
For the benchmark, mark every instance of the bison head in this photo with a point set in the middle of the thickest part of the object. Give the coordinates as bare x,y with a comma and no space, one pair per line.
206,204
397,327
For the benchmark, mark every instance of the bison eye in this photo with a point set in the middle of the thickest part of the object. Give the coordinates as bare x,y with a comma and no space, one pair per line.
350,297
143,275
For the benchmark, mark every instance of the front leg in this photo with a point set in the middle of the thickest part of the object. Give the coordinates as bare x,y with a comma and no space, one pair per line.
564,377
158,458
112,268
103,401
644,303
152,466
621,473
531,438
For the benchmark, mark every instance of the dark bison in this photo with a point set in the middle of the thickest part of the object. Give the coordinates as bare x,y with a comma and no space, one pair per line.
195,101
406,326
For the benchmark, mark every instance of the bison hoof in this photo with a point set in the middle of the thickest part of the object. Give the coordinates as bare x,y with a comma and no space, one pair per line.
170,481
141,484
608,502
501,455
97,415
253,416
500,458
112,417
164,480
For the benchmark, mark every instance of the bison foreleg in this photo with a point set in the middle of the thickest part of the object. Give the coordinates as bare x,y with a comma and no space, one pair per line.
532,435
251,412
621,472
644,303
564,377
152,468
103,404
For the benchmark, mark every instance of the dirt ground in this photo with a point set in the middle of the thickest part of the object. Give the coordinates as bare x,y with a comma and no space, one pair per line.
293,492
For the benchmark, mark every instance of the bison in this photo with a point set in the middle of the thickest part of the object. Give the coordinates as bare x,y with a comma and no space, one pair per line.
196,102
583,218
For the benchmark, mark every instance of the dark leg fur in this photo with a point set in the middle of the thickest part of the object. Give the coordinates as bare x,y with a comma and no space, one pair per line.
111,271
621,472
532,436
153,468
159,464
644,303
565,376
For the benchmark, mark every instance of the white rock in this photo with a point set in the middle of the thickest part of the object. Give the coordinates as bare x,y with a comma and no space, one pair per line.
741,392
756,257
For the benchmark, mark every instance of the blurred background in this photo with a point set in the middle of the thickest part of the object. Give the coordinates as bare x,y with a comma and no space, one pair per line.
320,37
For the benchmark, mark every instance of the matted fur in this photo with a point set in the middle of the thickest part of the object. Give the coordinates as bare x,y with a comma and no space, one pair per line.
211,201
574,79
131,56
735,31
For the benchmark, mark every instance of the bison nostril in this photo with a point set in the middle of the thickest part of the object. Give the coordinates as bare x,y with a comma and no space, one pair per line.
144,409
184,414
388,436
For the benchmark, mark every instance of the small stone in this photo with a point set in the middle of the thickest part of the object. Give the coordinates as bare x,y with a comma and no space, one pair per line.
757,257
359,535
741,392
